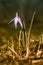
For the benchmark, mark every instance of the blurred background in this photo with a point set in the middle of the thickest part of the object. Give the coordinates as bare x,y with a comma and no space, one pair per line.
26,8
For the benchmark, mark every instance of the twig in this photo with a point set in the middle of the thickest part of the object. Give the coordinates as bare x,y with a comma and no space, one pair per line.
14,51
